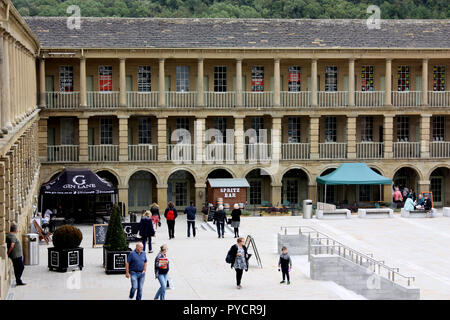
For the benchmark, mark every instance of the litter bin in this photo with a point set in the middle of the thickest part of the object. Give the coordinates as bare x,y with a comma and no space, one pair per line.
31,249
132,216
307,209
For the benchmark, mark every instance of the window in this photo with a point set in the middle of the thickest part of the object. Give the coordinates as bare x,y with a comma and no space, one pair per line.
364,193
181,193
105,78
403,78
292,191
294,129
257,78
66,78
257,123
367,129
220,123
294,83
330,129
145,131
255,191
67,131
436,188
220,79
182,123
106,131
402,128
367,78
144,78
438,128
331,78
439,78
182,76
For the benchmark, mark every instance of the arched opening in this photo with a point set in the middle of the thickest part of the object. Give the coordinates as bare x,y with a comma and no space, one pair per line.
439,186
181,188
108,176
294,187
332,191
406,178
219,173
142,191
259,192
369,193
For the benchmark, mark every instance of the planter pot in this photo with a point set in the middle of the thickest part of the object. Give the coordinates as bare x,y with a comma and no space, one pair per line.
65,259
114,261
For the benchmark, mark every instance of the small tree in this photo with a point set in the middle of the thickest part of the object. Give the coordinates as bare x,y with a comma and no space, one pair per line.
115,239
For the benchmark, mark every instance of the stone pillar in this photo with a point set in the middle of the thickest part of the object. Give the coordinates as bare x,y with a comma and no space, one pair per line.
425,120
123,197
239,139
388,136
162,82
314,137
162,197
6,87
351,137
351,82
312,191
424,82
276,139
276,194
387,193
162,139
122,84
314,83
83,93
3,229
17,92
2,67
388,89
199,133
43,139
12,82
239,93
200,88
276,83
200,198
83,139
424,185
123,138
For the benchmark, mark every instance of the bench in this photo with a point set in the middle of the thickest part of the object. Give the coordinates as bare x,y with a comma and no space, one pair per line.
446,211
376,213
418,213
331,214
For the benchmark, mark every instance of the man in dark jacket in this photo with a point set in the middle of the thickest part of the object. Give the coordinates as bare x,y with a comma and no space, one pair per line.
220,219
171,214
146,230
190,218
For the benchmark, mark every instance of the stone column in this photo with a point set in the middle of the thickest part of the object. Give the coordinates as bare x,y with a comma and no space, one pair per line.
122,84
123,197
276,194
162,139
123,138
12,82
239,93
388,136
351,82
162,196
387,193
312,191
2,66
199,134
83,139
162,82
239,139
42,139
200,199
83,93
314,137
17,92
425,120
424,185
351,137
6,87
276,139
276,83
424,82
388,89
314,83
3,229
200,88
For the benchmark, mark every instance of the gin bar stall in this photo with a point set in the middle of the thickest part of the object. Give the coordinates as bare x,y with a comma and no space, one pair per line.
227,192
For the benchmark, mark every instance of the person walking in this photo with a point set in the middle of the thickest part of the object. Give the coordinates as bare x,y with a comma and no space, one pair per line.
236,219
15,253
171,214
135,267
238,258
398,197
205,212
146,230
162,272
285,263
220,219
190,212
156,217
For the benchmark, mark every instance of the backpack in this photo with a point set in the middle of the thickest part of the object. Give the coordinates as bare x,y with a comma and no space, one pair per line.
170,215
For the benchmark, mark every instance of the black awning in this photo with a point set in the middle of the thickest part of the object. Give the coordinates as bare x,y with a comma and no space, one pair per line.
78,182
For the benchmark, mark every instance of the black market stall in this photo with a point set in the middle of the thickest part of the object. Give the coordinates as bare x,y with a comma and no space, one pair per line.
79,194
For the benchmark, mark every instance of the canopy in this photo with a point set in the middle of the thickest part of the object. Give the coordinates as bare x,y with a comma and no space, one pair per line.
229,183
353,173
78,182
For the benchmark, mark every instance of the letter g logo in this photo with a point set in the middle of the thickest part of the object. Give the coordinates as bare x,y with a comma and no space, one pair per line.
83,181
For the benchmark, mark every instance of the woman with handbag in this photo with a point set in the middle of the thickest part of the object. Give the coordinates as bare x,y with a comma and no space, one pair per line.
236,219
146,230
162,272
238,257
156,217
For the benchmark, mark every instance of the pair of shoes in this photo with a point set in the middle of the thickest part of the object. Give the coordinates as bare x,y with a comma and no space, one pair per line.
239,286
282,281
288,282
150,251
21,284
218,237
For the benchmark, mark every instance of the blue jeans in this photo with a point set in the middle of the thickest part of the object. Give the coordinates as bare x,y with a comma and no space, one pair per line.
137,283
220,228
162,290
144,240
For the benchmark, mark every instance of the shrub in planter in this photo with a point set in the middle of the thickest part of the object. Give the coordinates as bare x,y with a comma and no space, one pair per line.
116,249
66,253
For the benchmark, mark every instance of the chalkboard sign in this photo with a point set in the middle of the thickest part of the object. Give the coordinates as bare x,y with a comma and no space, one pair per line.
72,257
119,261
430,196
54,259
99,235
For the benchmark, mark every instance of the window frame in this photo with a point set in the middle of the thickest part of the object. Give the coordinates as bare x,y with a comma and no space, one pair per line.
144,78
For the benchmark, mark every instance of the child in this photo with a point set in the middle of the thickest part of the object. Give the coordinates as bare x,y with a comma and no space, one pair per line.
285,263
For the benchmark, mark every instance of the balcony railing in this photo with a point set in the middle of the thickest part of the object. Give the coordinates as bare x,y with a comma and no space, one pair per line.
62,100
406,149
295,151
175,99
332,150
439,98
332,98
220,99
103,153
62,153
369,150
440,149
258,152
142,99
219,152
181,152
102,99
406,98
143,152
258,99
369,98
295,99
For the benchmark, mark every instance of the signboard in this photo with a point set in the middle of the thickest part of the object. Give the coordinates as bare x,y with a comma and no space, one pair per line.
430,196
131,230
99,234
54,259
119,261
294,79
257,78
73,258
105,78
230,193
